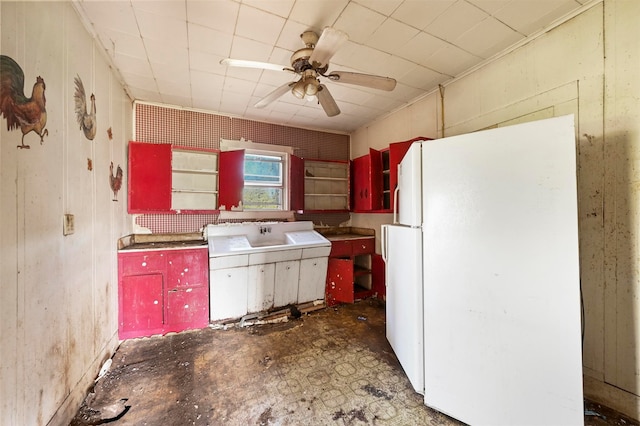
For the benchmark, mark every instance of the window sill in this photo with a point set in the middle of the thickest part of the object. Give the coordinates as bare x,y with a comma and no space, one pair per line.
256,215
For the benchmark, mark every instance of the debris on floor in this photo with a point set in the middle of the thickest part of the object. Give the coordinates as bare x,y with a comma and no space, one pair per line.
325,367
95,414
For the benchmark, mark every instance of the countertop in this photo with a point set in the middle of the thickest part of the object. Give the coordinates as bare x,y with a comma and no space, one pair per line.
346,233
134,242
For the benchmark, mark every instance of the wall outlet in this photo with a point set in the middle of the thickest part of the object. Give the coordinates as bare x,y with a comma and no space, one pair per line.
68,224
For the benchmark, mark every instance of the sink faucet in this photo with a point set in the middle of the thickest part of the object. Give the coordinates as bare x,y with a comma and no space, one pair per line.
265,229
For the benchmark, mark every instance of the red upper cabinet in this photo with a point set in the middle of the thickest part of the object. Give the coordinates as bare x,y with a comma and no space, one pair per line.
167,178
149,177
375,176
367,182
231,172
296,183
397,151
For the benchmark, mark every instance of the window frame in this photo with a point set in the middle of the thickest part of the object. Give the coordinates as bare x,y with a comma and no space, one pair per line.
284,187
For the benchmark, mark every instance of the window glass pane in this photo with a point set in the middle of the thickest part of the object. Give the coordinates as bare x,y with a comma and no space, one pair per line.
262,198
262,169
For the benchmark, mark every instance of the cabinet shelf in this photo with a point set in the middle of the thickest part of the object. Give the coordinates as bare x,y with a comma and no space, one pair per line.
326,185
193,191
360,270
195,171
326,178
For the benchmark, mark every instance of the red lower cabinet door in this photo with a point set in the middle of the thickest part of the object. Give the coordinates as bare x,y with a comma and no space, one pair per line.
187,268
142,307
339,281
187,308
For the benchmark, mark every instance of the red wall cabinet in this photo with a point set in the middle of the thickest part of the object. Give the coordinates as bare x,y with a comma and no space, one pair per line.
375,177
367,182
231,179
396,153
161,291
149,177
160,176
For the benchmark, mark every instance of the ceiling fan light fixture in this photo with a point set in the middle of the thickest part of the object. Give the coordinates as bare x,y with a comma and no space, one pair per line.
298,89
311,86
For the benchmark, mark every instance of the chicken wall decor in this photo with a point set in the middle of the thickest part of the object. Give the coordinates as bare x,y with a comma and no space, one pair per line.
28,114
86,120
115,181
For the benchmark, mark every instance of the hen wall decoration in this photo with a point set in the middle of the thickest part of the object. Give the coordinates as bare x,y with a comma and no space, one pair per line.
28,114
115,181
86,120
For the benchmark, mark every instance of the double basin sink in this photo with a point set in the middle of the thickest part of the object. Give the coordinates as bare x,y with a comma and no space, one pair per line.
254,237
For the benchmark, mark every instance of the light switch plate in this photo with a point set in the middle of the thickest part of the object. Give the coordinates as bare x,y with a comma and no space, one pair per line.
68,224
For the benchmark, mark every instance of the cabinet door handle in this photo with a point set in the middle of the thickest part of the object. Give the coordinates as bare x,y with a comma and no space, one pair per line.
366,192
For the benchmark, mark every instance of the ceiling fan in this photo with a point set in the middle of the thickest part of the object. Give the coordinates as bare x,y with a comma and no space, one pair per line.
310,63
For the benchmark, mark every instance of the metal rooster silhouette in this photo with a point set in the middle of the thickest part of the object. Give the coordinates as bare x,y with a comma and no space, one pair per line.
28,114
87,121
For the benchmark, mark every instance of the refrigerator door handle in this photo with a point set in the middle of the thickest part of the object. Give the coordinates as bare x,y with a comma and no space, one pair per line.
383,244
396,191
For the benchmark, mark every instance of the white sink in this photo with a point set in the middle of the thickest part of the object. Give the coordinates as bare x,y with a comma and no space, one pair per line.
268,243
240,238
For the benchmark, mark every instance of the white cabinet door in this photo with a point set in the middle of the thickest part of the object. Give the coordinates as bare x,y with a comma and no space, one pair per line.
228,293
261,287
313,275
286,285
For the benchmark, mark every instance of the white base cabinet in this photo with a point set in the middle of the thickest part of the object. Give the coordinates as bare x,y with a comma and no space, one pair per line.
228,293
286,290
243,284
311,282
261,287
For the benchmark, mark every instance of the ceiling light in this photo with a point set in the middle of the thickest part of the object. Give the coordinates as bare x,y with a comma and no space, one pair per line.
311,86
298,89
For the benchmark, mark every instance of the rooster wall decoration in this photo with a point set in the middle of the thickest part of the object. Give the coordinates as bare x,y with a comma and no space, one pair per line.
28,114
115,181
86,120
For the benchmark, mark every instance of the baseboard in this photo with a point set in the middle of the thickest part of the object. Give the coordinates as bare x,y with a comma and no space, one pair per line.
612,397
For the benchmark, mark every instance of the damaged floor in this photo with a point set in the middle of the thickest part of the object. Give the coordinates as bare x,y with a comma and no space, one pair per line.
329,367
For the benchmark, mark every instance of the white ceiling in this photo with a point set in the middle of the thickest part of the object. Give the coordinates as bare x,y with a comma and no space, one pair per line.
170,51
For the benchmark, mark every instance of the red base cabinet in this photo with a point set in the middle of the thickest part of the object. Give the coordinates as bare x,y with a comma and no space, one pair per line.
349,271
160,291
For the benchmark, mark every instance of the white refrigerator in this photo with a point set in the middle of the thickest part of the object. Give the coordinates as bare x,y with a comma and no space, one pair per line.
482,275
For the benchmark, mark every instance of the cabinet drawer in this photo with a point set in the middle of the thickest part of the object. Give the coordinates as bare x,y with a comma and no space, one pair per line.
363,246
187,268
340,248
137,264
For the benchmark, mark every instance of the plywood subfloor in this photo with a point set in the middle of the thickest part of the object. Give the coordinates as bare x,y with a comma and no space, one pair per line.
330,367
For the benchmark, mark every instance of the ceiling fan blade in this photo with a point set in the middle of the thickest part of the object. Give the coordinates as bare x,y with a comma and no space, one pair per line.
274,95
367,80
328,44
327,102
253,64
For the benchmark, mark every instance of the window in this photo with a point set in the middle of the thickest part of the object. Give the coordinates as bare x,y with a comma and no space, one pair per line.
265,180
